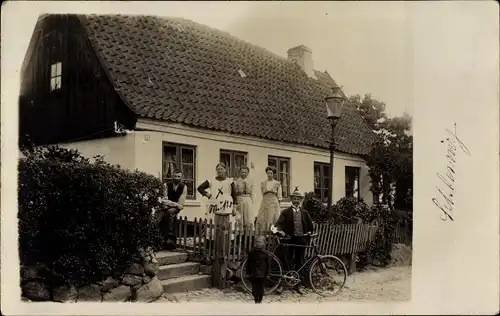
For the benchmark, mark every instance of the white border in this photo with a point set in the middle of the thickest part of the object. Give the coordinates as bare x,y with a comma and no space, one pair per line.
454,52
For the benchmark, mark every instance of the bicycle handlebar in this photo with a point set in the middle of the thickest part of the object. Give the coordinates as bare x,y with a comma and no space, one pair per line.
288,237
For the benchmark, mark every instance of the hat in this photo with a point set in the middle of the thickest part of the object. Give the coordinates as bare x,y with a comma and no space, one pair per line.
296,192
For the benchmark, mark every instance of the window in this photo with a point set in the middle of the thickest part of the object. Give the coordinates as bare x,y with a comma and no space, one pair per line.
234,160
321,180
352,182
282,166
55,76
180,157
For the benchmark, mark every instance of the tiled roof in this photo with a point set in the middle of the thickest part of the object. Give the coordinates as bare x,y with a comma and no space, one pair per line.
180,71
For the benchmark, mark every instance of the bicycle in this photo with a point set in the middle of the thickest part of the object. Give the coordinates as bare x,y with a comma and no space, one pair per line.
292,277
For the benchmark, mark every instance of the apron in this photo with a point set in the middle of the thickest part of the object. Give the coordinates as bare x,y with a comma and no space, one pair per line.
221,203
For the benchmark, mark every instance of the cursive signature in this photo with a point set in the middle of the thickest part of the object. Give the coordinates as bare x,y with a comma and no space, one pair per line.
446,189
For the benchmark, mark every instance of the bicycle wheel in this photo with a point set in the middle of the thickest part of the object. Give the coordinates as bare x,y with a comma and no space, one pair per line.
272,281
327,275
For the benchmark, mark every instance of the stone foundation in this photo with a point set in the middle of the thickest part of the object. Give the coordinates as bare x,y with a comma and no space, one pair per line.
137,283
233,274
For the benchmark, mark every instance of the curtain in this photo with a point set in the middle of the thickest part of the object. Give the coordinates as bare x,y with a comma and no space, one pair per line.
355,186
169,164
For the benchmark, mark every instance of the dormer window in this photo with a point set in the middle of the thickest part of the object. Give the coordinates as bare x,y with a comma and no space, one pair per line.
55,76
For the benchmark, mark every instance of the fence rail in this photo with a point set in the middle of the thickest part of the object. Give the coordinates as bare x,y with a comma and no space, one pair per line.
403,234
198,236
224,242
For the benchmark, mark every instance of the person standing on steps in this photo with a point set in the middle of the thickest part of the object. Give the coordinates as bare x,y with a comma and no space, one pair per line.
221,194
245,195
295,222
175,196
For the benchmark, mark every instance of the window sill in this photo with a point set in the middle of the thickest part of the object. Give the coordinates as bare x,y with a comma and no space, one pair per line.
192,203
285,204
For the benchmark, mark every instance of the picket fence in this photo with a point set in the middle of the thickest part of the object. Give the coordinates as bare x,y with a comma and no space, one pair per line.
198,237
403,234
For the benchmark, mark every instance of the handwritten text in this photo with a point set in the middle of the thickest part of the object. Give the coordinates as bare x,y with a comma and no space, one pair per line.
445,201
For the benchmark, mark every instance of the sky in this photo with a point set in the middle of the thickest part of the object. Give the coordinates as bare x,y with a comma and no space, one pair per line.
366,47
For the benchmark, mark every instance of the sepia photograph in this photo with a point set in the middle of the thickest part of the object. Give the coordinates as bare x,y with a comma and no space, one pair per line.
183,145
188,156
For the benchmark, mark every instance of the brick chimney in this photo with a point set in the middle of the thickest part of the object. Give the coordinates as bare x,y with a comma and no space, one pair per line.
302,56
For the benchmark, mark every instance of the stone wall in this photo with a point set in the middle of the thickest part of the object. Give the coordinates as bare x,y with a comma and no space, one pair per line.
233,273
136,283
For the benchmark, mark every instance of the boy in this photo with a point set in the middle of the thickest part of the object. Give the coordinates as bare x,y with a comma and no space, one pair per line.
258,268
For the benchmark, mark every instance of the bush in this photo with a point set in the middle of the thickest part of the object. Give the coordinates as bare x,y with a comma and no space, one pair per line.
346,210
349,209
80,219
379,250
316,208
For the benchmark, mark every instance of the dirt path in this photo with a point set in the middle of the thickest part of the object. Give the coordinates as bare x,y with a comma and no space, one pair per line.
390,284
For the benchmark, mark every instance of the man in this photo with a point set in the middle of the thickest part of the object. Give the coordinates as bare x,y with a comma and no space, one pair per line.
295,222
175,196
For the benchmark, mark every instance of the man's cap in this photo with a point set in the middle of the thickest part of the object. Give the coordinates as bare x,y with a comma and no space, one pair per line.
296,192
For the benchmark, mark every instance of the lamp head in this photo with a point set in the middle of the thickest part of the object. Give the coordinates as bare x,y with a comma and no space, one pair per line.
334,103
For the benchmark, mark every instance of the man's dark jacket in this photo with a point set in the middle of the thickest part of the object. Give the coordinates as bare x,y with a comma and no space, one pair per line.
285,221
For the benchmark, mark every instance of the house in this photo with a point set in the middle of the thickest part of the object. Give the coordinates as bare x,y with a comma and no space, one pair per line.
153,93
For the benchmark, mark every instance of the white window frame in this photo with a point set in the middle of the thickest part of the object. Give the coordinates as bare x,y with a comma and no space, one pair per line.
278,175
232,170
56,76
179,164
356,188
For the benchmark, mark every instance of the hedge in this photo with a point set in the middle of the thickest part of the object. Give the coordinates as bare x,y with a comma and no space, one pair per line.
349,208
81,221
345,211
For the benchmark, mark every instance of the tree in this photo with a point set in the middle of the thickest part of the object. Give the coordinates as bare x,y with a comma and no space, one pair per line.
372,111
401,140
391,158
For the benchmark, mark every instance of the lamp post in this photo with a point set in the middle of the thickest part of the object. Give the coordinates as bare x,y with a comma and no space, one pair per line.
334,103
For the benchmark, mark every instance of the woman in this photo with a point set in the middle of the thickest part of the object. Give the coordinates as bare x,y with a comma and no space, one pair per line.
219,190
271,197
245,197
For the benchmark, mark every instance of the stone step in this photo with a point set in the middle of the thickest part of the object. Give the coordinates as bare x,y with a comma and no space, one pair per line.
169,257
187,283
178,269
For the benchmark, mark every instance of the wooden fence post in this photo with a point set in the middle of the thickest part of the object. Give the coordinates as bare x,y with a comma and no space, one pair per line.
221,241
352,258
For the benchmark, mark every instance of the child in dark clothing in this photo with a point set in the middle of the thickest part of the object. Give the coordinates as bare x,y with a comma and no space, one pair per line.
258,268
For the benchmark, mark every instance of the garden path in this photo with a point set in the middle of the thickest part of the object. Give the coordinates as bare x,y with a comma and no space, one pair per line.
374,284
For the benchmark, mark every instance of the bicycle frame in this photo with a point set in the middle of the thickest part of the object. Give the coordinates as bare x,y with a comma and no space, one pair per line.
287,245
292,279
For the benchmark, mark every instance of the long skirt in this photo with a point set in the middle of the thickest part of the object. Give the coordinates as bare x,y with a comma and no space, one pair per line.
224,223
247,213
227,220
269,212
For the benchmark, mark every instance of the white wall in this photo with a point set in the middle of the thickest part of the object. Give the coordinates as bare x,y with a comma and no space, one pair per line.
116,150
142,150
148,158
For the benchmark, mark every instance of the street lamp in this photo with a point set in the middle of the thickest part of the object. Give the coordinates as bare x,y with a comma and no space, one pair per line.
334,103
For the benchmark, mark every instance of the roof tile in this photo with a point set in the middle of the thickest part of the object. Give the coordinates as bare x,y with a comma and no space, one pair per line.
177,70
